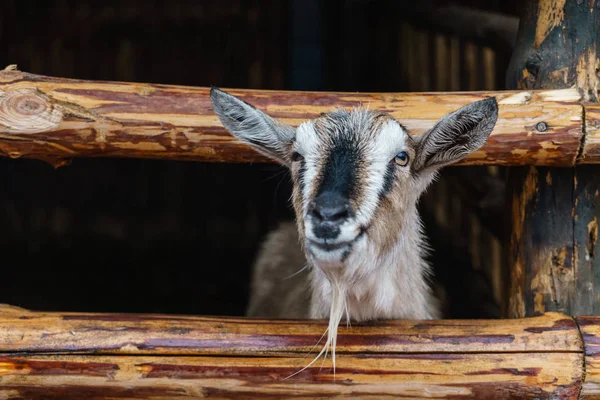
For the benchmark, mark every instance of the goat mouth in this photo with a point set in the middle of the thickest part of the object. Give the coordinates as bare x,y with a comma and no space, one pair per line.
323,245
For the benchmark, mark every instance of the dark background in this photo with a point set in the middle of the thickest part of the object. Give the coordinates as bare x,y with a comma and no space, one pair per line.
126,235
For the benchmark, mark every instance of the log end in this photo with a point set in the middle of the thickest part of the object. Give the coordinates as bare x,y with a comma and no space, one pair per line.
26,110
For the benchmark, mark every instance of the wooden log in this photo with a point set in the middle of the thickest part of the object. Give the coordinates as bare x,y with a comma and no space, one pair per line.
554,261
541,245
142,356
38,332
58,119
456,376
556,47
554,222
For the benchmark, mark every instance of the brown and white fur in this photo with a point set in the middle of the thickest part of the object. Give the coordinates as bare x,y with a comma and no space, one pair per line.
357,177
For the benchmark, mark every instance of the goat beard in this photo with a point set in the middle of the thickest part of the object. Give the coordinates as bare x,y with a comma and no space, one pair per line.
338,309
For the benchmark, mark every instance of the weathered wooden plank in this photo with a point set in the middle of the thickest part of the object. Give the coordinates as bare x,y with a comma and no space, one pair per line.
59,119
497,376
24,331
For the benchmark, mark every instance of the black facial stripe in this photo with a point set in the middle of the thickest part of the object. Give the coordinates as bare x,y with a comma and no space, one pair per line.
388,180
339,172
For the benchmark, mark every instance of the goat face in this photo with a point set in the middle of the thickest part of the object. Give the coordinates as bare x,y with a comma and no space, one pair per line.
346,167
355,173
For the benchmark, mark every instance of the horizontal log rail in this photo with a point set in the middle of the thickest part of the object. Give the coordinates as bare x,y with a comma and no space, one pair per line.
57,119
142,356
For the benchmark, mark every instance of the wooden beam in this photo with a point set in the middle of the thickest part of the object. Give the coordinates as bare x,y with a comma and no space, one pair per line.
58,119
554,264
39,332
78,355
480,376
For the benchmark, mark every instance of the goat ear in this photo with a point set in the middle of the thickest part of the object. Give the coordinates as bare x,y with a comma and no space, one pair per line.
456,135
267,135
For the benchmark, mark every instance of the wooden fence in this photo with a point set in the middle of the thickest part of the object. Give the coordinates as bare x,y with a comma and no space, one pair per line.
58,119
83,356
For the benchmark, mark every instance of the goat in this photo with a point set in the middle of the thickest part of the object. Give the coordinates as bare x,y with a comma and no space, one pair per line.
357,177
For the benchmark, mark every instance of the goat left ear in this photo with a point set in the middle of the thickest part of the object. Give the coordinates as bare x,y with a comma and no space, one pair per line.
265,134
456,135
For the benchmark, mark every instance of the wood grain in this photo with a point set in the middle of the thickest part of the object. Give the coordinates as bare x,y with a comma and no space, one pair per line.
498,376
145,356
545,274
58,119
36,332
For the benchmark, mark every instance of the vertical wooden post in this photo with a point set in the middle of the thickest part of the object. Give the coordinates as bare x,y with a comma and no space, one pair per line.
553,260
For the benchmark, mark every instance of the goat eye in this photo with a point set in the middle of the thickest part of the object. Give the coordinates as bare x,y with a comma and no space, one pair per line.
401,158
297,157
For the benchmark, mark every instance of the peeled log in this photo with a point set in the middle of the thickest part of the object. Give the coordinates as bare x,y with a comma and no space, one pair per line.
480,376
552,253
143,356
57,119
38,332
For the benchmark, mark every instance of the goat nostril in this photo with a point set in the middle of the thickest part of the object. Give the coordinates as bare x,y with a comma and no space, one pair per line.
314,212
338,214
331,213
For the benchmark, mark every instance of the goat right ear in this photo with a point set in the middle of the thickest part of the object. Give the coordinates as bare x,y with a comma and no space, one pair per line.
456,135
267,135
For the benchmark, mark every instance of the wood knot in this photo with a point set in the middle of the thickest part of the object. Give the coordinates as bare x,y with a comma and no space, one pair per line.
26,111
541,127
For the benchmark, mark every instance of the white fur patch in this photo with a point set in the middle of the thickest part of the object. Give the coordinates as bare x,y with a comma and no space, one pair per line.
308,145
390,141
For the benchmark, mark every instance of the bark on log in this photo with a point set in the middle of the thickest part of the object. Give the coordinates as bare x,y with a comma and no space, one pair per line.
76,356
59,119
554,217
556,47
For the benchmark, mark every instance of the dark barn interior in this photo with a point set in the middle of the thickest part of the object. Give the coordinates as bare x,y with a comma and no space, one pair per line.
133,235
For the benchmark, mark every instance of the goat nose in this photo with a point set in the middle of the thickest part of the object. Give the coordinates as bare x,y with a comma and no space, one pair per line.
331,208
